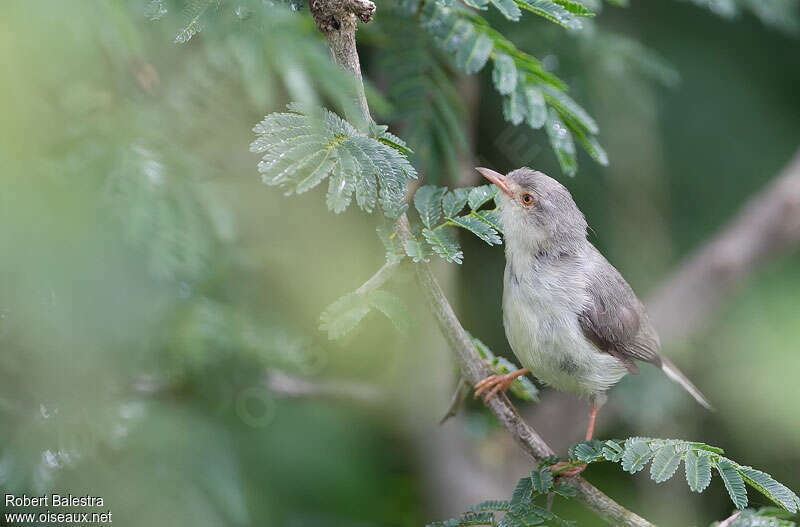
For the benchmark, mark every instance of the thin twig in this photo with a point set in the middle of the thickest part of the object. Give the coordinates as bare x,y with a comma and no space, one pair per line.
455,402
341,40
379,278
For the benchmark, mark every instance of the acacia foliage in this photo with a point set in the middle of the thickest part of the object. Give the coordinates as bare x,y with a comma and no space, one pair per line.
666,455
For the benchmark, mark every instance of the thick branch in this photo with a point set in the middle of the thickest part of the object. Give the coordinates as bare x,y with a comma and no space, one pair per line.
768,225
341,40
337,19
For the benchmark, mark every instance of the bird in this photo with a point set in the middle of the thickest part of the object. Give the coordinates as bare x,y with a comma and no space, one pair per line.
569,316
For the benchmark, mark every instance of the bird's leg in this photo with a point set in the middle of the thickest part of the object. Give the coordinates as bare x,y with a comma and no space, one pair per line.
564,468
497,383
592,420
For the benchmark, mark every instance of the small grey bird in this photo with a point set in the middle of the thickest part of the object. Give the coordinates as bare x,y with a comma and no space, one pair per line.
570,317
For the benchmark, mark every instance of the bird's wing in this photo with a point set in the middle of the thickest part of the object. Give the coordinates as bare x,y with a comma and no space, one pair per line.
615,320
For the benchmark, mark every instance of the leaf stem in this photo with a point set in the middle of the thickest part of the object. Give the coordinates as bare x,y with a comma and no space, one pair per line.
378,279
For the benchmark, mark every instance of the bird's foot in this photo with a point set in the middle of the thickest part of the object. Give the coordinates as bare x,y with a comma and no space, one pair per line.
565,469
493,384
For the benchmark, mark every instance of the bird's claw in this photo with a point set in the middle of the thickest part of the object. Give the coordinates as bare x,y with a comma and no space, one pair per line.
493,384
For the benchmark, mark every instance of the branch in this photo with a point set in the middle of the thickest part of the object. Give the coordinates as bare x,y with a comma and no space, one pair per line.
341,40
292,387
767,226
337,21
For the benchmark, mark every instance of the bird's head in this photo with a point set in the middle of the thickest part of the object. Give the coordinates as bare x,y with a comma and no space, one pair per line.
537,212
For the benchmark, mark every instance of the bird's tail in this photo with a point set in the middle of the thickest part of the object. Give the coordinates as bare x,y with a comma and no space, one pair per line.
676,375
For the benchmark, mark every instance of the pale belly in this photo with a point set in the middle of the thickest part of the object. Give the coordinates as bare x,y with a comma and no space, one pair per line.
546,337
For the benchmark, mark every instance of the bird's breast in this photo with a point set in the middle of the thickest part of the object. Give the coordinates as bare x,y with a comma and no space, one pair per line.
540,315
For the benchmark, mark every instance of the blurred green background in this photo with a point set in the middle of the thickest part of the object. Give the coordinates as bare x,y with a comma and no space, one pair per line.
151,287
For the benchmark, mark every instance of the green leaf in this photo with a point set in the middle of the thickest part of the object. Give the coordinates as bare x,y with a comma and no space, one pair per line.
312,173
492,505
395,142
477,227
636,456
342,316
665,463
702,446
473,55
515,106
193,13
341,185
491,217
522,492
698,470
733,482
666,455
566,105
508,8
565,491
303,148
416,251
592,147
552,12
764,483
387,232
576,8
477,4
764,517
561,140
504,74
428,201
536,113
394,309
476,518
377,130
444,243
454,201
587,451
542,480
526,518
612,451
481,195
458,35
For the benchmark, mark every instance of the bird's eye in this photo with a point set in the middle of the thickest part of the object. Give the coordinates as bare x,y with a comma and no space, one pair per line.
527,199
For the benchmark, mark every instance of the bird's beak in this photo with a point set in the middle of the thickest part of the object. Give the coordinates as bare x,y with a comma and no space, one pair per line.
496,178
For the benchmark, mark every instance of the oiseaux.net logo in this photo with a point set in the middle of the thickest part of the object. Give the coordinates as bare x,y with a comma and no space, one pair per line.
48,512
